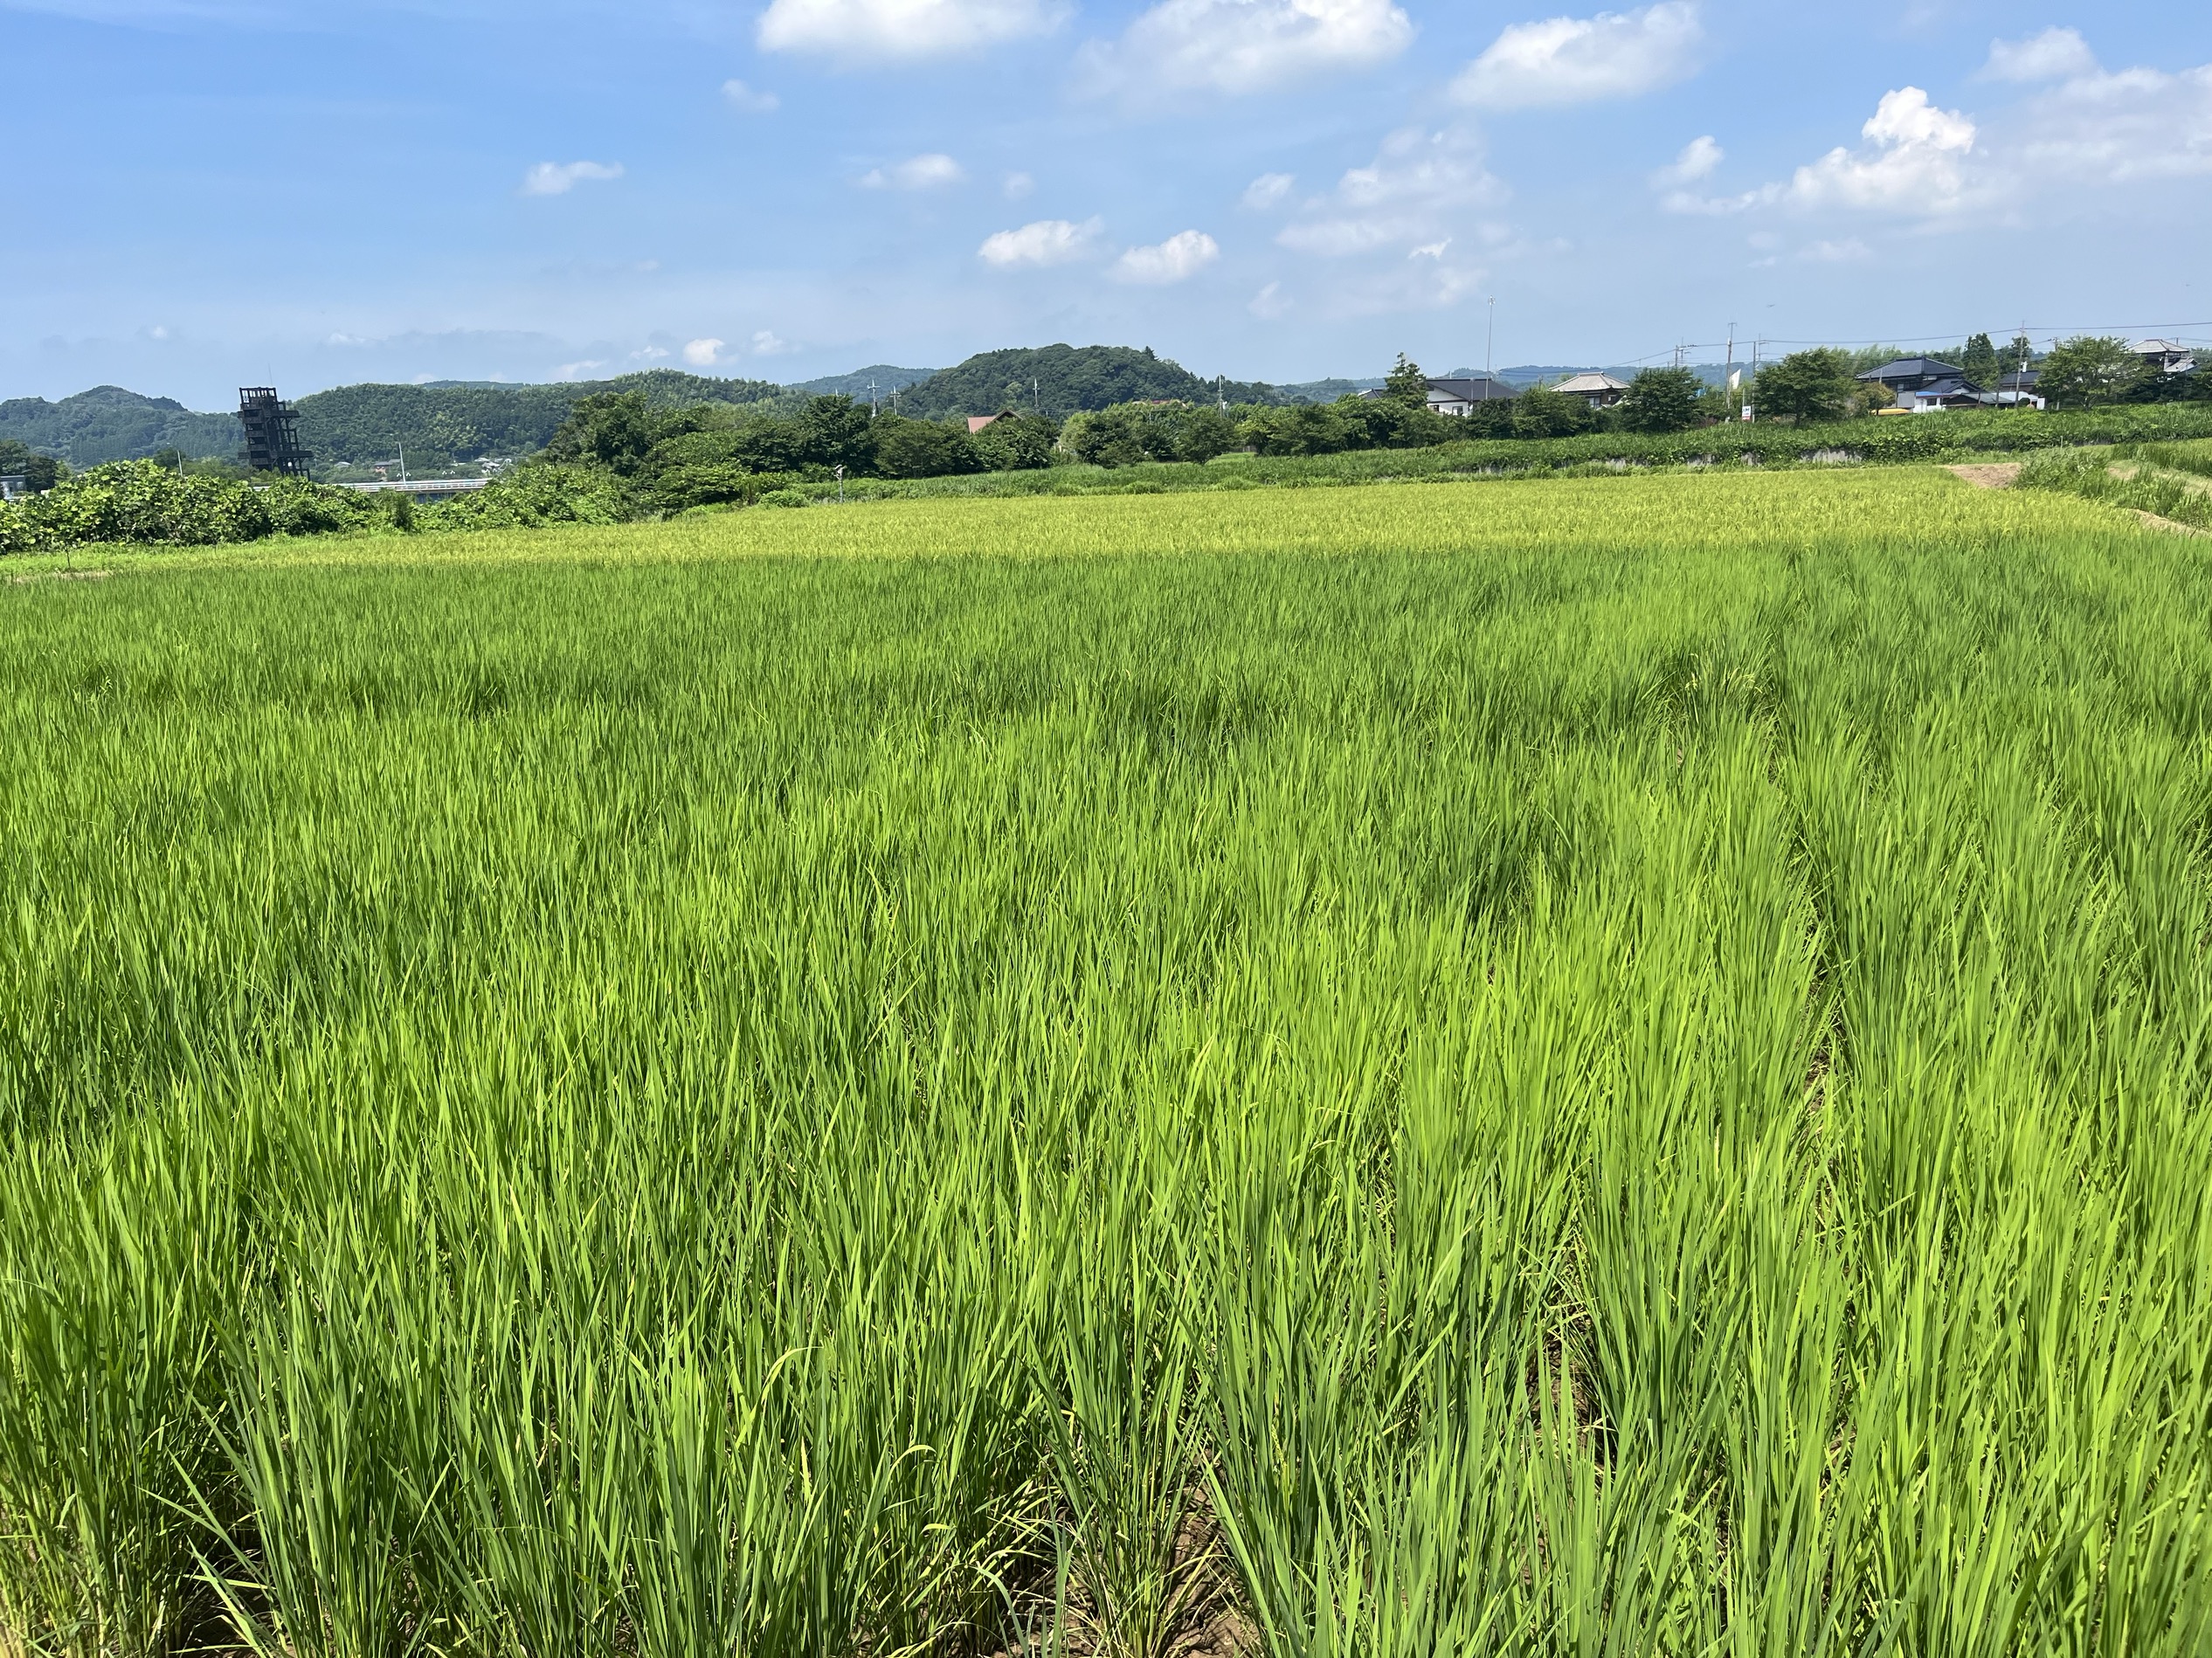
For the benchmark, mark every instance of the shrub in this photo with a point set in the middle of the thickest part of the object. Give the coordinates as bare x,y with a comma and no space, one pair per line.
922,448
545,493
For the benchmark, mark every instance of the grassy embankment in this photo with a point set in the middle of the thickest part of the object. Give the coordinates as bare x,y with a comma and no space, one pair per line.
1617,1066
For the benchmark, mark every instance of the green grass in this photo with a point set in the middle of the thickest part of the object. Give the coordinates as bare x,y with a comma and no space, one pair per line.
1609,1066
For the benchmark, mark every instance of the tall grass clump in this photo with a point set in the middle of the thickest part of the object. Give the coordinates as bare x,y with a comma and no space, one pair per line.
1612,1067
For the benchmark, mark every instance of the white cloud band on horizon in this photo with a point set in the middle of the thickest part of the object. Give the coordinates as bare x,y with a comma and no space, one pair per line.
1241,46
903,29
558,178
1576,60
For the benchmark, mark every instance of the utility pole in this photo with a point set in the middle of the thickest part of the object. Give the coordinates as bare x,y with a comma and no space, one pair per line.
403,463
1036,399
1489,344
874,403
1728,368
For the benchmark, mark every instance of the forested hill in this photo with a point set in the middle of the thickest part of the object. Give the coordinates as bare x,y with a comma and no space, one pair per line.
883,379
1062,379
447,421
442,423
110,424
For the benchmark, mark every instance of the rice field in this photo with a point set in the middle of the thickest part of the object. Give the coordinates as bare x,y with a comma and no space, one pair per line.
1601,1066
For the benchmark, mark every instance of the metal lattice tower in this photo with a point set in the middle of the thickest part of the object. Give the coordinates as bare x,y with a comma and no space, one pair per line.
272,432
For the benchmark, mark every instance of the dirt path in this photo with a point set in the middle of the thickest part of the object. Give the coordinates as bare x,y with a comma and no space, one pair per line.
1991,474
2170,524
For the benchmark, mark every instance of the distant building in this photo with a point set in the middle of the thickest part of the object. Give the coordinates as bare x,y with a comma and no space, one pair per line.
1941,395
1913,375
2166,357
976,423
2017,389
1458,395
1599,391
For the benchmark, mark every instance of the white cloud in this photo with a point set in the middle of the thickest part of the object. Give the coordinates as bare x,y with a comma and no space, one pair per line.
766,344
864,29
1698,158
2066,148
1914,162
1575,60
1847,252
1267,190
1269,303
1421,186
648,354
1048,241
920,172
558,178
578,370
1017,186
1242,46
2055,54
748,99
1434,251
1184,254
2099,129
703,354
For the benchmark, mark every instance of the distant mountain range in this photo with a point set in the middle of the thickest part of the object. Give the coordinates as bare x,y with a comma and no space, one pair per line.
444,421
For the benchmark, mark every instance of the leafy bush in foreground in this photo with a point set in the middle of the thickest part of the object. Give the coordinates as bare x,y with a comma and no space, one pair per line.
138,502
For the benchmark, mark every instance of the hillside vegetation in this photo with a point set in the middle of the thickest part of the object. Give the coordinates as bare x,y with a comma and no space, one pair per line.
110,424
439,424
1061,380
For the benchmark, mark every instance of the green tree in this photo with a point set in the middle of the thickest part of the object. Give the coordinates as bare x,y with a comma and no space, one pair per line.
1541,412
1979,360
616,430
1203,432
1407,384
38,472
1806,386
1662,400
1016,443
922,448
2089,369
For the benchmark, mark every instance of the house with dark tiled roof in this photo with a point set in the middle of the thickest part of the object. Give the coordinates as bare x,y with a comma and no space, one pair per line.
1457,395
1913,374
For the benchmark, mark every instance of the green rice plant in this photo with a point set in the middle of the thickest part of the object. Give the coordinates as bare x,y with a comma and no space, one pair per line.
1614,1065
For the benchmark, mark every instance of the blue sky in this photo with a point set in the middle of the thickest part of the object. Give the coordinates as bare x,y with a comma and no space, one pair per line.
213,192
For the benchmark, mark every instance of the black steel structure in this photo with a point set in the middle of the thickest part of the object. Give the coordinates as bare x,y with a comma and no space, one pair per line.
272,432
